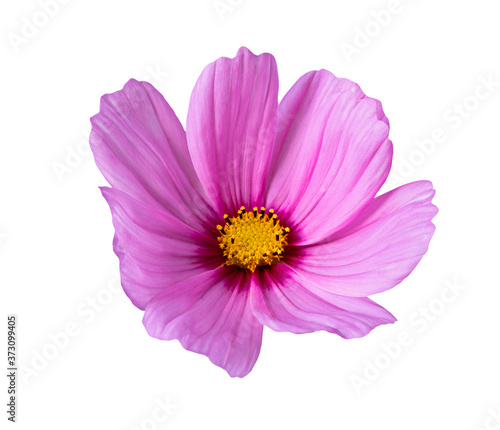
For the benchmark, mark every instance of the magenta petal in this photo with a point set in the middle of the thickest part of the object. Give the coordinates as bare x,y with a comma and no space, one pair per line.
284,300
332,155
209,314
379,249
155,248
231,127
140,147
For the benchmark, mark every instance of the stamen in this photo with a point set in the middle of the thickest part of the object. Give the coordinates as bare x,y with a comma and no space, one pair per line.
251,239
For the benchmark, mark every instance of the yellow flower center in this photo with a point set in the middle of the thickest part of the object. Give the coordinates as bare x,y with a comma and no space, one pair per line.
252,239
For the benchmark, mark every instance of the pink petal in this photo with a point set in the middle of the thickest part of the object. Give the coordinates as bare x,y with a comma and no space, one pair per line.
231,127
284,300
379,249
140,147
209,314
155,248
331,156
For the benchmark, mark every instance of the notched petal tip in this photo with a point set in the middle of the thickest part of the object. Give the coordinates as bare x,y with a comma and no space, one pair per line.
104,100
244,51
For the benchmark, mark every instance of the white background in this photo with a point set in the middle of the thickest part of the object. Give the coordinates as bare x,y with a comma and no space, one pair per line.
56,232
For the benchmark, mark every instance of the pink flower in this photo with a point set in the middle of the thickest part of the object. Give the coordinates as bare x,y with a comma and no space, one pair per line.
201,250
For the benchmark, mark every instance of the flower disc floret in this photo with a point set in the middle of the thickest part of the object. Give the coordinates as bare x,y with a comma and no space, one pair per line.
252,239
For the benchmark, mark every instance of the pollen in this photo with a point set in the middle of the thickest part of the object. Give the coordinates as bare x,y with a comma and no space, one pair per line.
252,239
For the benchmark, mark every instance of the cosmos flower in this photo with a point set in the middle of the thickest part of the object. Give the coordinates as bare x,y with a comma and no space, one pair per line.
259,214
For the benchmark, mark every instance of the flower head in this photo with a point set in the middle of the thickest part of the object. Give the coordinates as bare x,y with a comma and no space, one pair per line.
259,213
